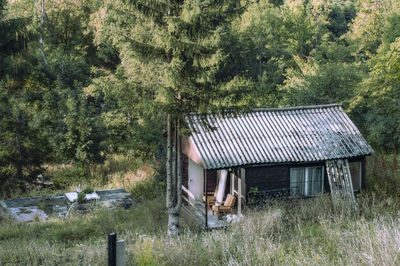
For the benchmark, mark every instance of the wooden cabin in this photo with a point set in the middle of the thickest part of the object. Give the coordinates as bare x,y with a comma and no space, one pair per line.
269,152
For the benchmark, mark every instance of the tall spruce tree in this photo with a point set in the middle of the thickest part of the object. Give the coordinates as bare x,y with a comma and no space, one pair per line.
22,146
187,38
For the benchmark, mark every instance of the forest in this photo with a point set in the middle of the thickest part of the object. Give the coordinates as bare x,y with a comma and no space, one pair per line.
84,80
92,91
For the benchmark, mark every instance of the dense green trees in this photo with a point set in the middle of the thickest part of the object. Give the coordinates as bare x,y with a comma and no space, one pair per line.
377,100
81,79
188,39
23,148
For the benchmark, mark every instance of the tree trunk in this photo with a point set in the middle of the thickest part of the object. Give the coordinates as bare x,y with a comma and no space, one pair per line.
169,163
174,176
18,146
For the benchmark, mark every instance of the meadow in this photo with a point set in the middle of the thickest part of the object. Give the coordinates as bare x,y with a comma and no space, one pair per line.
294,232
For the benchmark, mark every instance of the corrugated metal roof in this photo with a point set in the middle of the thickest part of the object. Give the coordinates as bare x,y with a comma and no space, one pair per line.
279,135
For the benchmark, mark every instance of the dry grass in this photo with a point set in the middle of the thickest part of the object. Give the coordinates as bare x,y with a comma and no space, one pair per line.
304,232
118,171
284,234
298,232
129,179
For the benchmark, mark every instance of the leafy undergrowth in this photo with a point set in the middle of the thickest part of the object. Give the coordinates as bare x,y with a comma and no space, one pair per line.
303,232
383,174
118,171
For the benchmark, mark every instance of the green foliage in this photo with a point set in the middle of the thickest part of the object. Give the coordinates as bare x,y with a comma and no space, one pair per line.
188,42
147,218
88,190
252,196
376,104
383,177
114,68
147,190
321,83
66,176
366,29
81,197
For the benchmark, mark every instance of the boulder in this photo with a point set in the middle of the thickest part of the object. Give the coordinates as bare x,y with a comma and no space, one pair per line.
41,208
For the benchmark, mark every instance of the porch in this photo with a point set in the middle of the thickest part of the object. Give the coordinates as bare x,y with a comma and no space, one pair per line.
195,215
221,194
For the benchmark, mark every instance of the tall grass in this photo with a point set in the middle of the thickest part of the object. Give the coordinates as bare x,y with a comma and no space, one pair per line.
303,232
383,174
288,232
78,240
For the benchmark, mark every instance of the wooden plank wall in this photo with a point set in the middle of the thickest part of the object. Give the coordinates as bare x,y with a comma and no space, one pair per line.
185,170
268,177
363,175
211,180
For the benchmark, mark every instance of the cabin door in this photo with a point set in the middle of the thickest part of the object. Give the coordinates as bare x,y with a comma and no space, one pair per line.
196,180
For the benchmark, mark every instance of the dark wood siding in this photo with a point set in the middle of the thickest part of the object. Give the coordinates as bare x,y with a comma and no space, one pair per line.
327,188
277,178
362,160
363,175
211,180
268,178
185,171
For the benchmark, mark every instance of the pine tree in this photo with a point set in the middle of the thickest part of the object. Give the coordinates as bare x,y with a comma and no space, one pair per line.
22,146
187,38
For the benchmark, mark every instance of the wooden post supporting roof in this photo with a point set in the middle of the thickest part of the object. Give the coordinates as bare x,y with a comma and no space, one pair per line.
206,195
239,195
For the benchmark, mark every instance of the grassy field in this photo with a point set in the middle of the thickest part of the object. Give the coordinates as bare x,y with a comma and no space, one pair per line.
300,232
297,232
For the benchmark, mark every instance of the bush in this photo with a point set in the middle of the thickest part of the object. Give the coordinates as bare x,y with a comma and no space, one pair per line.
64,177
81,197
147,189
383,175
88,190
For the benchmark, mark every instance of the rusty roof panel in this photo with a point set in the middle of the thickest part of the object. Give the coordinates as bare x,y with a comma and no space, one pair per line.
279,135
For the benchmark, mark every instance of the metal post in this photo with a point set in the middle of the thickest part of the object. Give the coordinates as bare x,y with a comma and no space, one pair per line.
120,253
206,189
112,241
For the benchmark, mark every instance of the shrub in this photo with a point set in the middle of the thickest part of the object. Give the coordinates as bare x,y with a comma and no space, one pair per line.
383,175
81,197
88,190
147,189
64,177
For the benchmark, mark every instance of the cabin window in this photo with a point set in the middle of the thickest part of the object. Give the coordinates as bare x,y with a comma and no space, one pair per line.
306,181
355,171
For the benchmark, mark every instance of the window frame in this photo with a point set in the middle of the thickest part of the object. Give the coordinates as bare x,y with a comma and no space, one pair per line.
359,175
306,174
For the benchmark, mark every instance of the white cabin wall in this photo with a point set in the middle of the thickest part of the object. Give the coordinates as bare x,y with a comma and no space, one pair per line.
196,179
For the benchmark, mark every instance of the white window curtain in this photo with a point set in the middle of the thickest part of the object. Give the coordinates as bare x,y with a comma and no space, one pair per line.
297,176
306,181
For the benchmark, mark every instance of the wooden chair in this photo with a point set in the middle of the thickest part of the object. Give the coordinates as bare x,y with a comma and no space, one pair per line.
211,198
228,206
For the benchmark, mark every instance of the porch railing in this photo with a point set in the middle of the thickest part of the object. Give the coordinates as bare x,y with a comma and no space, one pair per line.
187,195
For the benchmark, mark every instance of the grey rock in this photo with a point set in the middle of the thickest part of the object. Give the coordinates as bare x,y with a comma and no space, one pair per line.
41,208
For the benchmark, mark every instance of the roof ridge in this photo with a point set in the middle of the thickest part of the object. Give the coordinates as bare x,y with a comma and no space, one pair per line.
261,109
299,107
